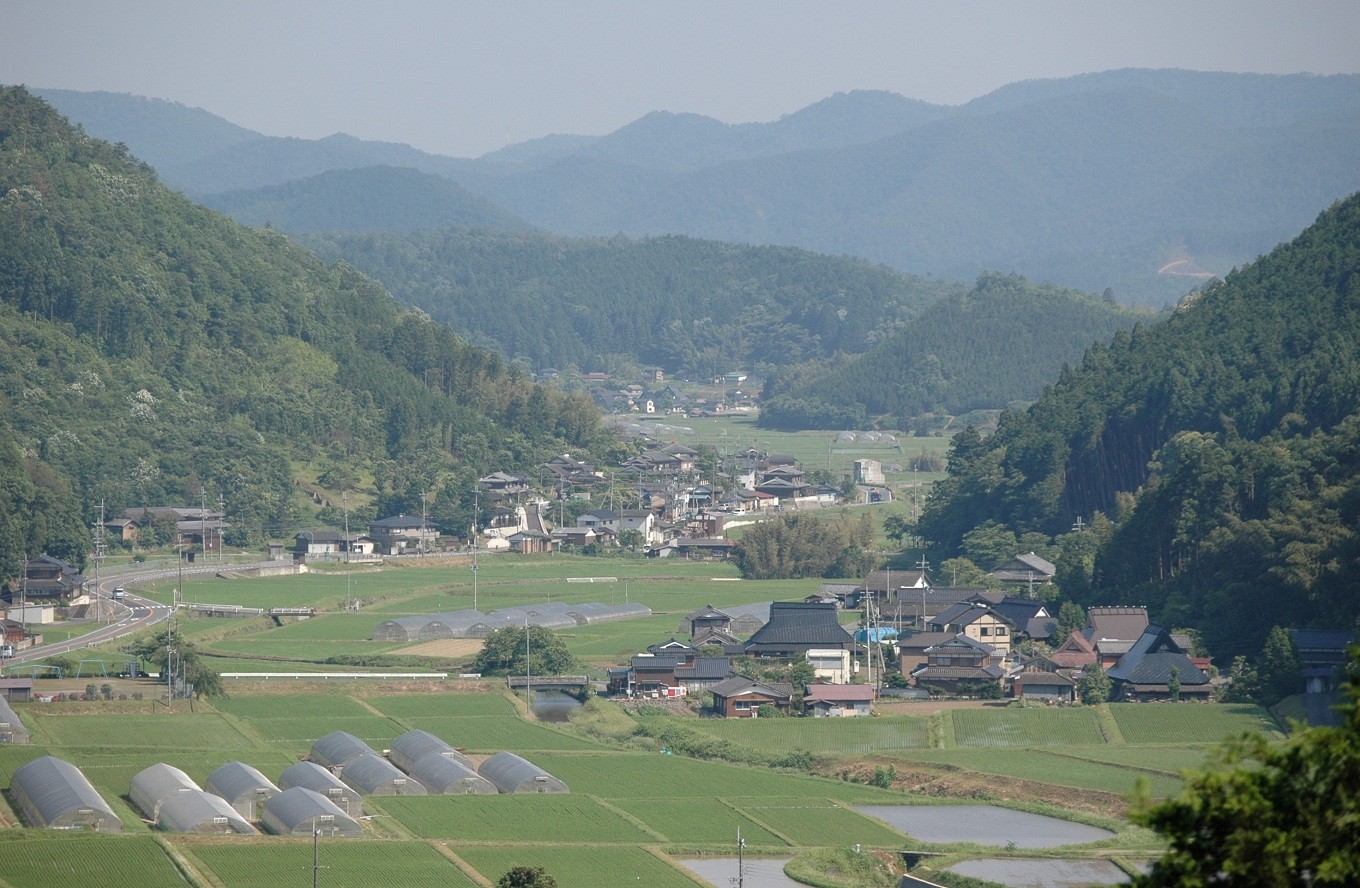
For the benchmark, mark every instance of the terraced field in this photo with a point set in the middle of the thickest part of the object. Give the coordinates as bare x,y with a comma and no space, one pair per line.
347,864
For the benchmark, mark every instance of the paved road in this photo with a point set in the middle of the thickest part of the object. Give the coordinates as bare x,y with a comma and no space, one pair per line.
132,614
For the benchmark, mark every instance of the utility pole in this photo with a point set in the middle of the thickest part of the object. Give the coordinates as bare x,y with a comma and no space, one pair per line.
741,859
349,580
422,522
99,557
221,525
528,690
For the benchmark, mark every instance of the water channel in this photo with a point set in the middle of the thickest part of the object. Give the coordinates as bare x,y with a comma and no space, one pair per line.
984,824
554,706
1043,873
721,872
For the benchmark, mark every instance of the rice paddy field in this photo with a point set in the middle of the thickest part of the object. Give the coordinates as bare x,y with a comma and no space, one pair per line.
633,809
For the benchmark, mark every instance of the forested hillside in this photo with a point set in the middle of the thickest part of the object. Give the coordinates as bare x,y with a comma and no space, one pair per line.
151,349
1224,444
693,307
380,198
1147,182
996,345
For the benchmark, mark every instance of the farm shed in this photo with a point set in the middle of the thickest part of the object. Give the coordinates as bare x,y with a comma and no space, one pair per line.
196,811
243,787
300,812
152,786
371,774
310,775
595,612
11,729
337,748
53,793
510,773
445,776
413,746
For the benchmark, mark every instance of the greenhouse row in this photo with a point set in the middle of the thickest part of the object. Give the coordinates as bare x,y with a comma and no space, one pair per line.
437,768
475,624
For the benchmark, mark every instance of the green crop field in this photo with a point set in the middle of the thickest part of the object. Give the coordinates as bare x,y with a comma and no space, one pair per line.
697,821
1190,722
1026,727
494,734
1167,759
819,821
846,736
1044,767
289,706
624,775
86,861
528,818
164,730
575,867
301,732
444,706
346,864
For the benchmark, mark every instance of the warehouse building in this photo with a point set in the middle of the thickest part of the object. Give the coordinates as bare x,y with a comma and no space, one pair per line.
54,794
510,773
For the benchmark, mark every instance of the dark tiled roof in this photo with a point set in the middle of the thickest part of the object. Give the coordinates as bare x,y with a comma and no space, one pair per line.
958,673
801,623
1151,659
705,669
1123,623
740,684
920,641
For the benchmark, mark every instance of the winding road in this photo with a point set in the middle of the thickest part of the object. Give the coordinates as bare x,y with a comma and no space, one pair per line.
132,614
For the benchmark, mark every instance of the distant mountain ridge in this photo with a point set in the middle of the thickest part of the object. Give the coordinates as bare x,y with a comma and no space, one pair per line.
379,198
1093,181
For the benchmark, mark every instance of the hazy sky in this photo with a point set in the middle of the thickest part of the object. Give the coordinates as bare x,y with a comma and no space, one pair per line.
464,77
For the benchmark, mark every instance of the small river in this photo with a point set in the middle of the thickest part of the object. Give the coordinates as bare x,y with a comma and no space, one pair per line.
554,706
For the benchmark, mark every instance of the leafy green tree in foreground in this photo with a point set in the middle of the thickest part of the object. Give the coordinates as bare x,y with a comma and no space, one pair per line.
527,877
152,650
1283,815
1093,686
504,653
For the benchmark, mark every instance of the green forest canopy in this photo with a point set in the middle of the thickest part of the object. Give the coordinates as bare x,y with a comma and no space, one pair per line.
151,349
1224,443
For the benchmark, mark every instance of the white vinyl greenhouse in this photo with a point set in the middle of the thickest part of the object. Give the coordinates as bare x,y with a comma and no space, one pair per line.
337,748
301,812
445,776
309,775
412,746
196,811
371,774
54,794
510,773
243,787
12,730
152,786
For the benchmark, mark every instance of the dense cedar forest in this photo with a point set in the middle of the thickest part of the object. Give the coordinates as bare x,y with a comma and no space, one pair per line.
997,345
693,307
379,198
1218,451
153,351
